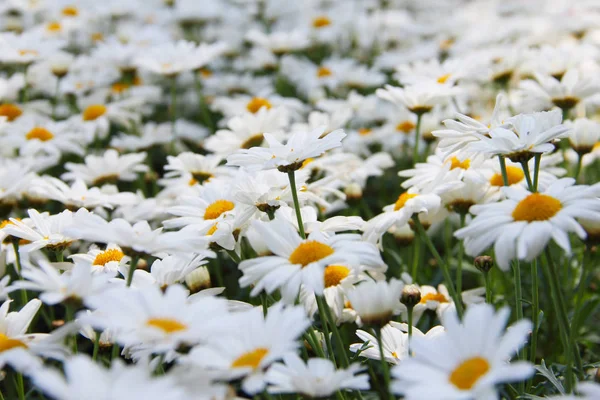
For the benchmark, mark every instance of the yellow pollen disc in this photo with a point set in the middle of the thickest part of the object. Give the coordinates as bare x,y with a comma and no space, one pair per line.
456,163
54,27
6,222
253,141
257,103
323,72
7,343
306,162
120,87
364,131
212,230
26,52
440,298
468,372
205,73
321,22
70,11
167,325
536,207
250,359
596,146
405,126
39,133
402,199
310,251
334,274
514,175
97,37
192,182
93,112
443,78
217,208
394,354
10,111
108,256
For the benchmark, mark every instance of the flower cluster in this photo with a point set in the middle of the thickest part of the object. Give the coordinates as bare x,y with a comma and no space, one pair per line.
232,199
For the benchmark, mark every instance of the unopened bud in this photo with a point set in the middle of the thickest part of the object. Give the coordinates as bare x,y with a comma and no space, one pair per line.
198,279
353,192
484,263
411,295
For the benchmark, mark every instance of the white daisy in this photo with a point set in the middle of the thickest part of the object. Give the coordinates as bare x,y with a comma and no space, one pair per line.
376,302
110,167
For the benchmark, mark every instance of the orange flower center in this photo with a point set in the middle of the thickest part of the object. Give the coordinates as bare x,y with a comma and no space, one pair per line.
321,22
468,372
10,111
440,298
456,163
334,274
257,103
107,256
405,126
536,207
7,343
217,208
514,175
250,359
167,325
39,133
402,199
93,112
310,251
323,72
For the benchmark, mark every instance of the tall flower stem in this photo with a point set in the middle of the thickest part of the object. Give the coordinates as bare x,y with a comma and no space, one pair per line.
205,116
441,263
19,269
336,333
536,172
488,287
292,179
563,323
132,267
578,166
384,365
173,111
323,317
56,97
518,297
535,300
530,185
417,137
461,255
415,259
502,162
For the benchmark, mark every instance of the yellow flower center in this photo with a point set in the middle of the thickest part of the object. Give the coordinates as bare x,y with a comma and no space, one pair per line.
167,325
250,359
70,11
405,126
212,230
321,22
28,52
456,163
257,103
217,208
364,131
120,87
443,78
394,354
468,372
97,37
10,111
514,175
108,256
334,274
402,199
323,72
54,27
205,73
93,112
536,207
192,182
440,298
596,146
39,133
310,251
7,343
307,161
253,141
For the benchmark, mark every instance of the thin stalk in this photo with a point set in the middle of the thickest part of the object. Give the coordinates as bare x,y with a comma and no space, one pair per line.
132,267
384,365
315,343
409,321
503,169
417,137
461,255
19,269
56,98
336,334
173,111
20,386
205,116
518,297
115,352
578,166
563,324
535,299
442,264
487,276
96,346
416,257
530,185
321,309
234,256
536,172
292,179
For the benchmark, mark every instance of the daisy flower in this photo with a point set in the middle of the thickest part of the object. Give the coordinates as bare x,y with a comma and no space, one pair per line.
522,225
86,379
246,352
289,157
295,261
479,360
201,168
46,231
110,167
166,271
583,135
108,261
419,98
376,302
156,320
317,377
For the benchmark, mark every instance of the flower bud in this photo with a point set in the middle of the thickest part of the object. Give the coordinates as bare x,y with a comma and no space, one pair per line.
484,263
411,295
353,192
198,279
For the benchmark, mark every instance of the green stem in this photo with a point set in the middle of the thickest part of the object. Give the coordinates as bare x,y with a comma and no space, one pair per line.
115,351
417,136
535,299
56,98
461,255
536,172
315,343
96,346
487,276
563,323
292,179
578,166
416,257
518,298
20,386
132,267
19,269
173,111
325,329
234,256
384,365
205,116
442,264
409,321
336,334
503,169
525,166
